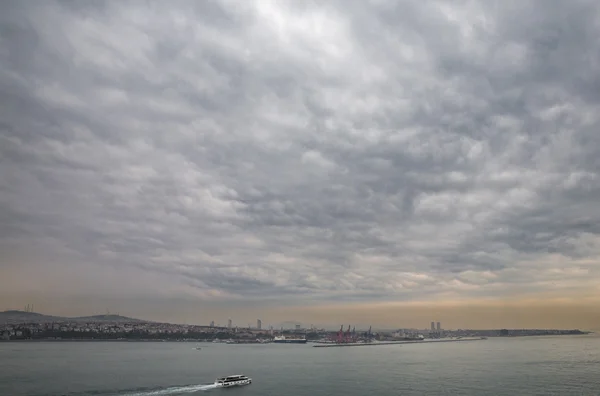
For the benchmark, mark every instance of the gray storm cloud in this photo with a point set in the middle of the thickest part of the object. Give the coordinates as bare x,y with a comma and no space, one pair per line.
294,152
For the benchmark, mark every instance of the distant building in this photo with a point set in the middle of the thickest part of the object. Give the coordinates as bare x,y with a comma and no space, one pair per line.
258,324
297,327
229,324
212,323
439,327
432,327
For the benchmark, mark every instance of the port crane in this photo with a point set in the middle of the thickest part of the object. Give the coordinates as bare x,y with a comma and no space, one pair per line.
348,335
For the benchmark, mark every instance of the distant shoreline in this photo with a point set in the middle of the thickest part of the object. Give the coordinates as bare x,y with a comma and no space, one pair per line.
95,340
19,326
426,341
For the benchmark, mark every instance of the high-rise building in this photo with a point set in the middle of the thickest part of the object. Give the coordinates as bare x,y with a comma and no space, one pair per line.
297,327
439,326
258,324
229,324
432,326
212,323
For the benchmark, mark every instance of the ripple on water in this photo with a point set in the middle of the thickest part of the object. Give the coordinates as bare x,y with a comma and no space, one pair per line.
499,367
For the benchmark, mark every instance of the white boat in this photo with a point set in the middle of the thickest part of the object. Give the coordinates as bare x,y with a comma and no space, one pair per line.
232,380
289,340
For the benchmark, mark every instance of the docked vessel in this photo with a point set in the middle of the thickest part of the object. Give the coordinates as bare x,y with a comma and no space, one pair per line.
232,380
289,340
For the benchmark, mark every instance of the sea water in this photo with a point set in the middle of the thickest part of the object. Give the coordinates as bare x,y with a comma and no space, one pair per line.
557,365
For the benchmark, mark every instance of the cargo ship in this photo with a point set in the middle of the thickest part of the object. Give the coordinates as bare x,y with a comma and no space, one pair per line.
289,340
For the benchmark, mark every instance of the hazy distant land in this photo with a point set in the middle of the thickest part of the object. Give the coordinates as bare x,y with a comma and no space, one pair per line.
31,326
16,317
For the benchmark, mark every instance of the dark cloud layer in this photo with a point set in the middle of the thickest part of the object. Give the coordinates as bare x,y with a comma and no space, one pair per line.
342,151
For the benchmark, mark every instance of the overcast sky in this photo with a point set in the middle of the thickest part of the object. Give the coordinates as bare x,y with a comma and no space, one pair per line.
199,160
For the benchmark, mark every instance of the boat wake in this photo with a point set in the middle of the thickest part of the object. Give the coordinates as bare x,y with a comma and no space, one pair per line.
175,390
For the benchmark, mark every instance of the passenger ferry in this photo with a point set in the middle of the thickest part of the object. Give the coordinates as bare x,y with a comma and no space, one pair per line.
232,380
289,340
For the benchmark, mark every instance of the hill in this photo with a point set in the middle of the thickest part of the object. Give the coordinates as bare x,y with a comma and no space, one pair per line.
107,318
27,317
12,317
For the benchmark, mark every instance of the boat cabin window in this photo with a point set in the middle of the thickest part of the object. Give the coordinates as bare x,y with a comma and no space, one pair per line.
232,378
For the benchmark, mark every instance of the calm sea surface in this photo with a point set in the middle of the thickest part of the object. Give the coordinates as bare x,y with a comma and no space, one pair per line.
568,365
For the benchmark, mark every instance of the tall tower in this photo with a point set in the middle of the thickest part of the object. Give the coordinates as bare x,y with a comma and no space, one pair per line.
229,324
432,327
258,324
212,323
439,327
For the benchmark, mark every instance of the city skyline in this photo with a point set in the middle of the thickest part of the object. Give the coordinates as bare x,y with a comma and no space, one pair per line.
342,162
489,315
232,326
98,328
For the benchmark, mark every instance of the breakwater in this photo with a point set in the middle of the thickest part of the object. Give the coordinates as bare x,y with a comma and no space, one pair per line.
395,343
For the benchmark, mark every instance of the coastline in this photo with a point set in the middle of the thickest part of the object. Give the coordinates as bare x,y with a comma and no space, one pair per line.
315,344
94,340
